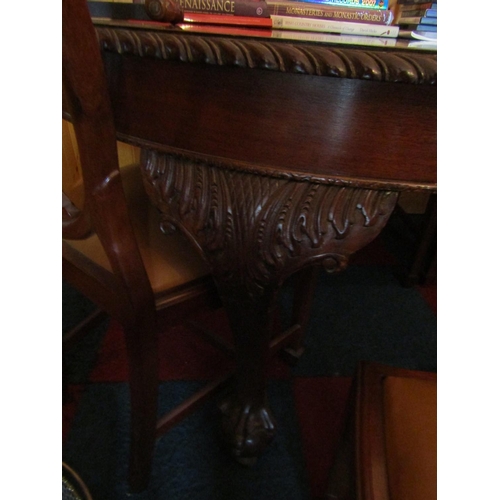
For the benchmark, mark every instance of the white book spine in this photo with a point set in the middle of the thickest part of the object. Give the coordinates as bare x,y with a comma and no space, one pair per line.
329,38
330,26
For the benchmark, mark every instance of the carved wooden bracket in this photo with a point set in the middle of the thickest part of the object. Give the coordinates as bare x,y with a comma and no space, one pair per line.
254,230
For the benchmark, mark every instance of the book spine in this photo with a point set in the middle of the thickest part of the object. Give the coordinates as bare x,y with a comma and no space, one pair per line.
429,20
418,20
327,38
412,2
342,27
426,36
418,27
431,13
366,4
230,20
251,8
426,27
257,31
328,12
415,7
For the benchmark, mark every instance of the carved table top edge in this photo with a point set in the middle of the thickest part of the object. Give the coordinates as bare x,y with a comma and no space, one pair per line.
290,174
395,66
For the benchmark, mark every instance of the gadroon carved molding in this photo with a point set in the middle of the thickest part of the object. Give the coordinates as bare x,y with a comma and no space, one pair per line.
257,230
275,55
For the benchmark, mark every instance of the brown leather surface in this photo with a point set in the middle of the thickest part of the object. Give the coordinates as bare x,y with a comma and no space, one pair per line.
410,425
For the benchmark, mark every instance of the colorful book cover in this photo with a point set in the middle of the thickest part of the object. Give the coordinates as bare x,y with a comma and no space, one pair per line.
330,12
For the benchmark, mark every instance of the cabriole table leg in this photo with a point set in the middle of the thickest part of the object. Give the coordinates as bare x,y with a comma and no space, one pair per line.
255,229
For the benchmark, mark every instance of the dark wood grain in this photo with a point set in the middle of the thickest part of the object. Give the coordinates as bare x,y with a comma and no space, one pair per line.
325,128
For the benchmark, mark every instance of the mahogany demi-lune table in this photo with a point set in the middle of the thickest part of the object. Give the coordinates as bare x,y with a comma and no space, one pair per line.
272,155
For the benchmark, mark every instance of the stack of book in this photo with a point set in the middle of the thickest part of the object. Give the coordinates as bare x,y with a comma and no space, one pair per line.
417,16
377,22
371,18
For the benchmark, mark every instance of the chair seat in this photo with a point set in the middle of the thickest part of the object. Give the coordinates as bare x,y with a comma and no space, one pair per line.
171,260
410,428
396,433
388,450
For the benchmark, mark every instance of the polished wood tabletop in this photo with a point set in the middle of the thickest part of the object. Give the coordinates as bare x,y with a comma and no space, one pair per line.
272,155
333,111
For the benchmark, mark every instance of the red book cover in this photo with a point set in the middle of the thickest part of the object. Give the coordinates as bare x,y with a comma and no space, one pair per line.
197,17
226,30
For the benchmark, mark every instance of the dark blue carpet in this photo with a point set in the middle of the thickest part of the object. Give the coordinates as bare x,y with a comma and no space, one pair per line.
364,314
189,463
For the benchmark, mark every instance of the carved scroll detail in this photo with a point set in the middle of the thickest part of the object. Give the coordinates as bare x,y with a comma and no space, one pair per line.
302,58
257,230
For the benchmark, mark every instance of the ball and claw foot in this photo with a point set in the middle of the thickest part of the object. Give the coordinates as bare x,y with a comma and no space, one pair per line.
247,430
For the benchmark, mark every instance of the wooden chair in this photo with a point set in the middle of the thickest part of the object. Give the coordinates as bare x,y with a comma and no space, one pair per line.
112,250
114,253
389,449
